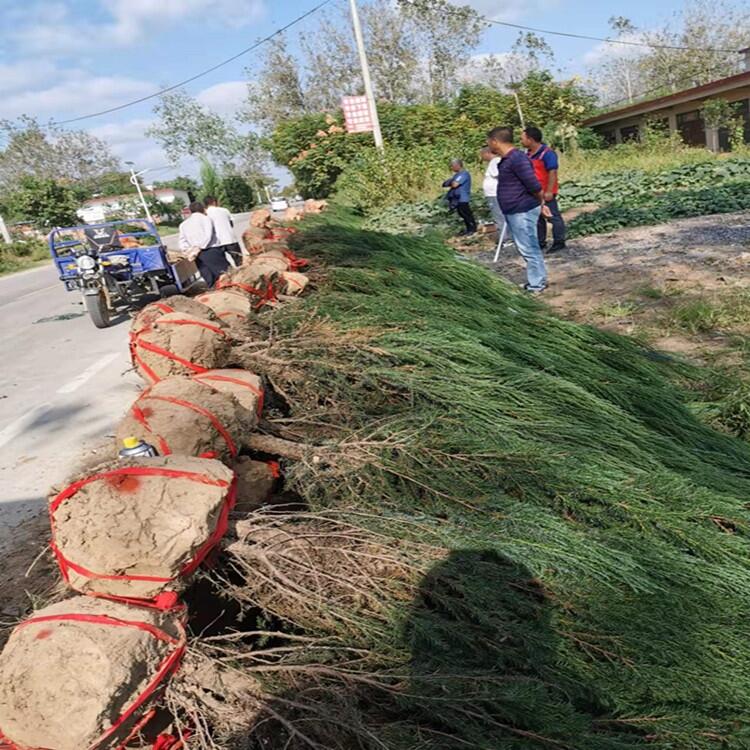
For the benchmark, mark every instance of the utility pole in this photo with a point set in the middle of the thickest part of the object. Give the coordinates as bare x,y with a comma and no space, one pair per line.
366,75
4,233
135,181
520,111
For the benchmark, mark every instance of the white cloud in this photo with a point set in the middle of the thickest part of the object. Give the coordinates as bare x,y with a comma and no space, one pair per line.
73,93
23,75
224,99
129,142
607,51
502,10
53,31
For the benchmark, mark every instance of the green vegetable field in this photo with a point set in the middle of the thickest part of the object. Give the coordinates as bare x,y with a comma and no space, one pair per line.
626,198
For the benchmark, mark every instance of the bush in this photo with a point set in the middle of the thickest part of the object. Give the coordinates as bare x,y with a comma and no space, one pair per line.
399,175
317,150
44,203
21,253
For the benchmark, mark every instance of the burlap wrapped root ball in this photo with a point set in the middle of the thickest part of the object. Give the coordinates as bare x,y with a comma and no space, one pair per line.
185,417
255,239
293,214
72,671
245,386
231,306
176,304
137,529
293,282
180,344
315,207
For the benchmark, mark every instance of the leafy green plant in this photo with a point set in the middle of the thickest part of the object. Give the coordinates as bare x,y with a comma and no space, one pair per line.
637,211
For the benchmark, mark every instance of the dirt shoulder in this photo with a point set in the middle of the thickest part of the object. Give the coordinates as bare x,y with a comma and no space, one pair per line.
683,286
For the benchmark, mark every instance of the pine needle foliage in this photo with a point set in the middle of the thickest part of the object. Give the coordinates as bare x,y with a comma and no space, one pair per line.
573,542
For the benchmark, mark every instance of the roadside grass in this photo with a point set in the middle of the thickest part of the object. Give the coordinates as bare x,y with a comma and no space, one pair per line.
22,254
583,165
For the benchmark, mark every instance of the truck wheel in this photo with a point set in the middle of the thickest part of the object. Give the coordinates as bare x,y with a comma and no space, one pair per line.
96,306
169,290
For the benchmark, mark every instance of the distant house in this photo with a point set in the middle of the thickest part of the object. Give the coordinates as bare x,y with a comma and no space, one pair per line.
680,112
99,210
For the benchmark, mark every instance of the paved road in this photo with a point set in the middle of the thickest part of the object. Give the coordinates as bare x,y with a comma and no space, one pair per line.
64,384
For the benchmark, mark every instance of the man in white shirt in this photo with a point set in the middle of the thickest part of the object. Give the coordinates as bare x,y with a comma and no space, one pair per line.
224,227
489,186
198,242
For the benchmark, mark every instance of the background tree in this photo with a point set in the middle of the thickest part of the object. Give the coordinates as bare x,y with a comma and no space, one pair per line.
447,35
43,202
710,31
187,128
238,193
181,182
275,92
51,153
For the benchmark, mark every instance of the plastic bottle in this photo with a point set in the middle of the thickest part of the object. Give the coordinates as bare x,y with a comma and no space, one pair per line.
135,448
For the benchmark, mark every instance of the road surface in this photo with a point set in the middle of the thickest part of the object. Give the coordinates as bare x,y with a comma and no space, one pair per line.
64,385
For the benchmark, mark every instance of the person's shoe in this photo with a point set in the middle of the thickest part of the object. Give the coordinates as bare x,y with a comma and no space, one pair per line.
534,290
462,233
556,247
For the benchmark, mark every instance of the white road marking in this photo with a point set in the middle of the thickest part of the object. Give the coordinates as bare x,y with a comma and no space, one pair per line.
15,429
88,373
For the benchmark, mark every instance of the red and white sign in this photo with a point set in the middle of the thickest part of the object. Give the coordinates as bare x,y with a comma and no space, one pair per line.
357,114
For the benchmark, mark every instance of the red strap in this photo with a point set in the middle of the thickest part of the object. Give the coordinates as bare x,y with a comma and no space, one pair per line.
137,341
166,600
269,295
193,407
294,261
152,318
208,376
169,665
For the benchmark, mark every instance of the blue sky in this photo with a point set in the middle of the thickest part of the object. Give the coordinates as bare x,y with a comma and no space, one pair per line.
61,59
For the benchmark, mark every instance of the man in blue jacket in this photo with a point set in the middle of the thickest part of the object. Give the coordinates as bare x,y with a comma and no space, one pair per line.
521,199
460,185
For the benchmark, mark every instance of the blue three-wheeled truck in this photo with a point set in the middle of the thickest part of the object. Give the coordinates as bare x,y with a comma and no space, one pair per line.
115,265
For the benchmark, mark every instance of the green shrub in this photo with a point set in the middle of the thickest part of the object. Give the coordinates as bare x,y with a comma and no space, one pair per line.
22,253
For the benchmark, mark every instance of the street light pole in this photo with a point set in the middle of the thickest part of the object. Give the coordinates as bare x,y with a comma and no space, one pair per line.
135,181
369,93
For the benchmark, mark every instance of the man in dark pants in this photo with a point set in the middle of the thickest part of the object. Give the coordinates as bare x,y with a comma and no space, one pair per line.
198,242
460,185
224,228
546,166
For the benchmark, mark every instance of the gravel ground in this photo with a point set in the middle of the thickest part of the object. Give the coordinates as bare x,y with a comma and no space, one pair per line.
709,252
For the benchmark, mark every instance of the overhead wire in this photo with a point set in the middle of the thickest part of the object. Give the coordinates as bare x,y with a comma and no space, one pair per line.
607,40
654,89
195,77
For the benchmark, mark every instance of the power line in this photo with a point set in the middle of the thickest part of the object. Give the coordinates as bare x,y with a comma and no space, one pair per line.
653,90
203,73
604,39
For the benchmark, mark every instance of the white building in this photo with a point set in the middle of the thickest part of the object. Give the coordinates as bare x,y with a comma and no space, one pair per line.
99,210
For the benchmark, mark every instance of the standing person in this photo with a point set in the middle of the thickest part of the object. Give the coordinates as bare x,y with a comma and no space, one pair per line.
489,187
519,193
460,185
198,241
546,167
224,227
